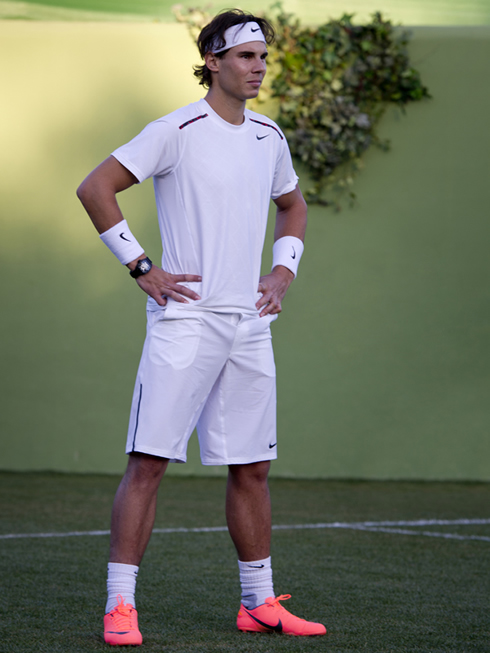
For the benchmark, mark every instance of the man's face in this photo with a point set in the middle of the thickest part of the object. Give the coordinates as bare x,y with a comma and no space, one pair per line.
241,71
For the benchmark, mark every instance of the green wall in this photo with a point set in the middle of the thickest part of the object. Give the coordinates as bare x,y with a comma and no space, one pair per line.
407,12
382,349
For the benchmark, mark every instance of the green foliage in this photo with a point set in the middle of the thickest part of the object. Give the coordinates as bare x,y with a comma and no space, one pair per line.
332,84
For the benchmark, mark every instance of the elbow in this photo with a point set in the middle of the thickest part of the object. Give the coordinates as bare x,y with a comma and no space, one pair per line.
302,209
302,202
299,206
302,213
83,192
80,191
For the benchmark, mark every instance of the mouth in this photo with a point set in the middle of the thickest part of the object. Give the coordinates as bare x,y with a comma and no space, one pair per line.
255,83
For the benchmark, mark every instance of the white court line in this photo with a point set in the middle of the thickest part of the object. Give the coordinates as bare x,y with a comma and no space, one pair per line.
374,526
448,536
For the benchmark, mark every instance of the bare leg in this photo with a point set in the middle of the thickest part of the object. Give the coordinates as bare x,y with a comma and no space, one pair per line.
133,512
248,510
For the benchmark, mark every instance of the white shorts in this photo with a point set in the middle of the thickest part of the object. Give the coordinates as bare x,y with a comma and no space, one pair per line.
211,370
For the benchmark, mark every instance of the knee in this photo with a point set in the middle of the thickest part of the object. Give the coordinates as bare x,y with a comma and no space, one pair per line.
144,469
250,475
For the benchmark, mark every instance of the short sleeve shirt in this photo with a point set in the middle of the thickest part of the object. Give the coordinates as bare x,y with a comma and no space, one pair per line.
213,183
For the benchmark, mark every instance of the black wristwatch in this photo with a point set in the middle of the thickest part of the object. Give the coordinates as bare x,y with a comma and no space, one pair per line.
143,266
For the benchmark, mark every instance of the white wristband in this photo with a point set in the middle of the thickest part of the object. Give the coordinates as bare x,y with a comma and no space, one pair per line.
122,243
287,251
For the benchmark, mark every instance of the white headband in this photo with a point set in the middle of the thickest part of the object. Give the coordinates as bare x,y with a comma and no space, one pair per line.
240,34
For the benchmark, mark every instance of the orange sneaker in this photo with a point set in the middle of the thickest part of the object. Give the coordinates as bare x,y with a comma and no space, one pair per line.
121,625
271,617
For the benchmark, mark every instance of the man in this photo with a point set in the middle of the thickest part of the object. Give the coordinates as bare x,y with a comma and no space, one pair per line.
207,359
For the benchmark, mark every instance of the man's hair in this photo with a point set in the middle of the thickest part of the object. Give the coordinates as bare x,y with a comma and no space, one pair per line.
212,36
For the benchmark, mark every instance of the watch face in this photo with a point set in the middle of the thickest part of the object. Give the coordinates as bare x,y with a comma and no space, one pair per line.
142,267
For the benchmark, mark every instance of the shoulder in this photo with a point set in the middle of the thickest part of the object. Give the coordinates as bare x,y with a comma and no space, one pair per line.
181,118
260,121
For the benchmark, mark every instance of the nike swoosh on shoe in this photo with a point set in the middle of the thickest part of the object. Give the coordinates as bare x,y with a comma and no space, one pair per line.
277,628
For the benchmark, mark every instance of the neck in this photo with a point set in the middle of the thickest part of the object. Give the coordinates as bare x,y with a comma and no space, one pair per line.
230,109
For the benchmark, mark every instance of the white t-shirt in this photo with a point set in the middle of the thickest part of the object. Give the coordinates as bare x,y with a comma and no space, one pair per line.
213,183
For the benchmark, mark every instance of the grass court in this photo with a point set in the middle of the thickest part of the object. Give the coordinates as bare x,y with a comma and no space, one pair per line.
348,552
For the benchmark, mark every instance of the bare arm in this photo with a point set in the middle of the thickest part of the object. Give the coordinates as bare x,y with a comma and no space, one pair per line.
291,218
98,195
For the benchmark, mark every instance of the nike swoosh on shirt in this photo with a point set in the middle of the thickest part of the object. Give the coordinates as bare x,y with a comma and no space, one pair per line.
254,30
259,138
271,446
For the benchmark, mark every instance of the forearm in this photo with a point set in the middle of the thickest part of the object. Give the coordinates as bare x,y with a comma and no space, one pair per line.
290,228
103,209
101,206
289,233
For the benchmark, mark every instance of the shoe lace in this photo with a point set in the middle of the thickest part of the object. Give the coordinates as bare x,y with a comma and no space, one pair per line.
281,597
122,614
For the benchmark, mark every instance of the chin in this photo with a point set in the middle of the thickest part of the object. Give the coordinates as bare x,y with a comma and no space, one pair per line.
252,93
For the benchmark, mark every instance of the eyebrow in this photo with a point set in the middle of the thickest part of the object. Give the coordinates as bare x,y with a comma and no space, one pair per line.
251,52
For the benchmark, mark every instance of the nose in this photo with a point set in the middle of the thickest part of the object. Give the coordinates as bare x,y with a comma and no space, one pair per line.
260,65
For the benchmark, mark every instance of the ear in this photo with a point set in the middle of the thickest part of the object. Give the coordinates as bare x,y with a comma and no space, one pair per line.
212,62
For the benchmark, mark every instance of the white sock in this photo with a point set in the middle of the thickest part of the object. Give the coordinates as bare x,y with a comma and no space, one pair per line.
256,582
121,579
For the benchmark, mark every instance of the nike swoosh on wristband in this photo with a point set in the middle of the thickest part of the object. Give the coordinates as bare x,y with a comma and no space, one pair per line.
121,235
256,566
259,138
277,628
293,255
